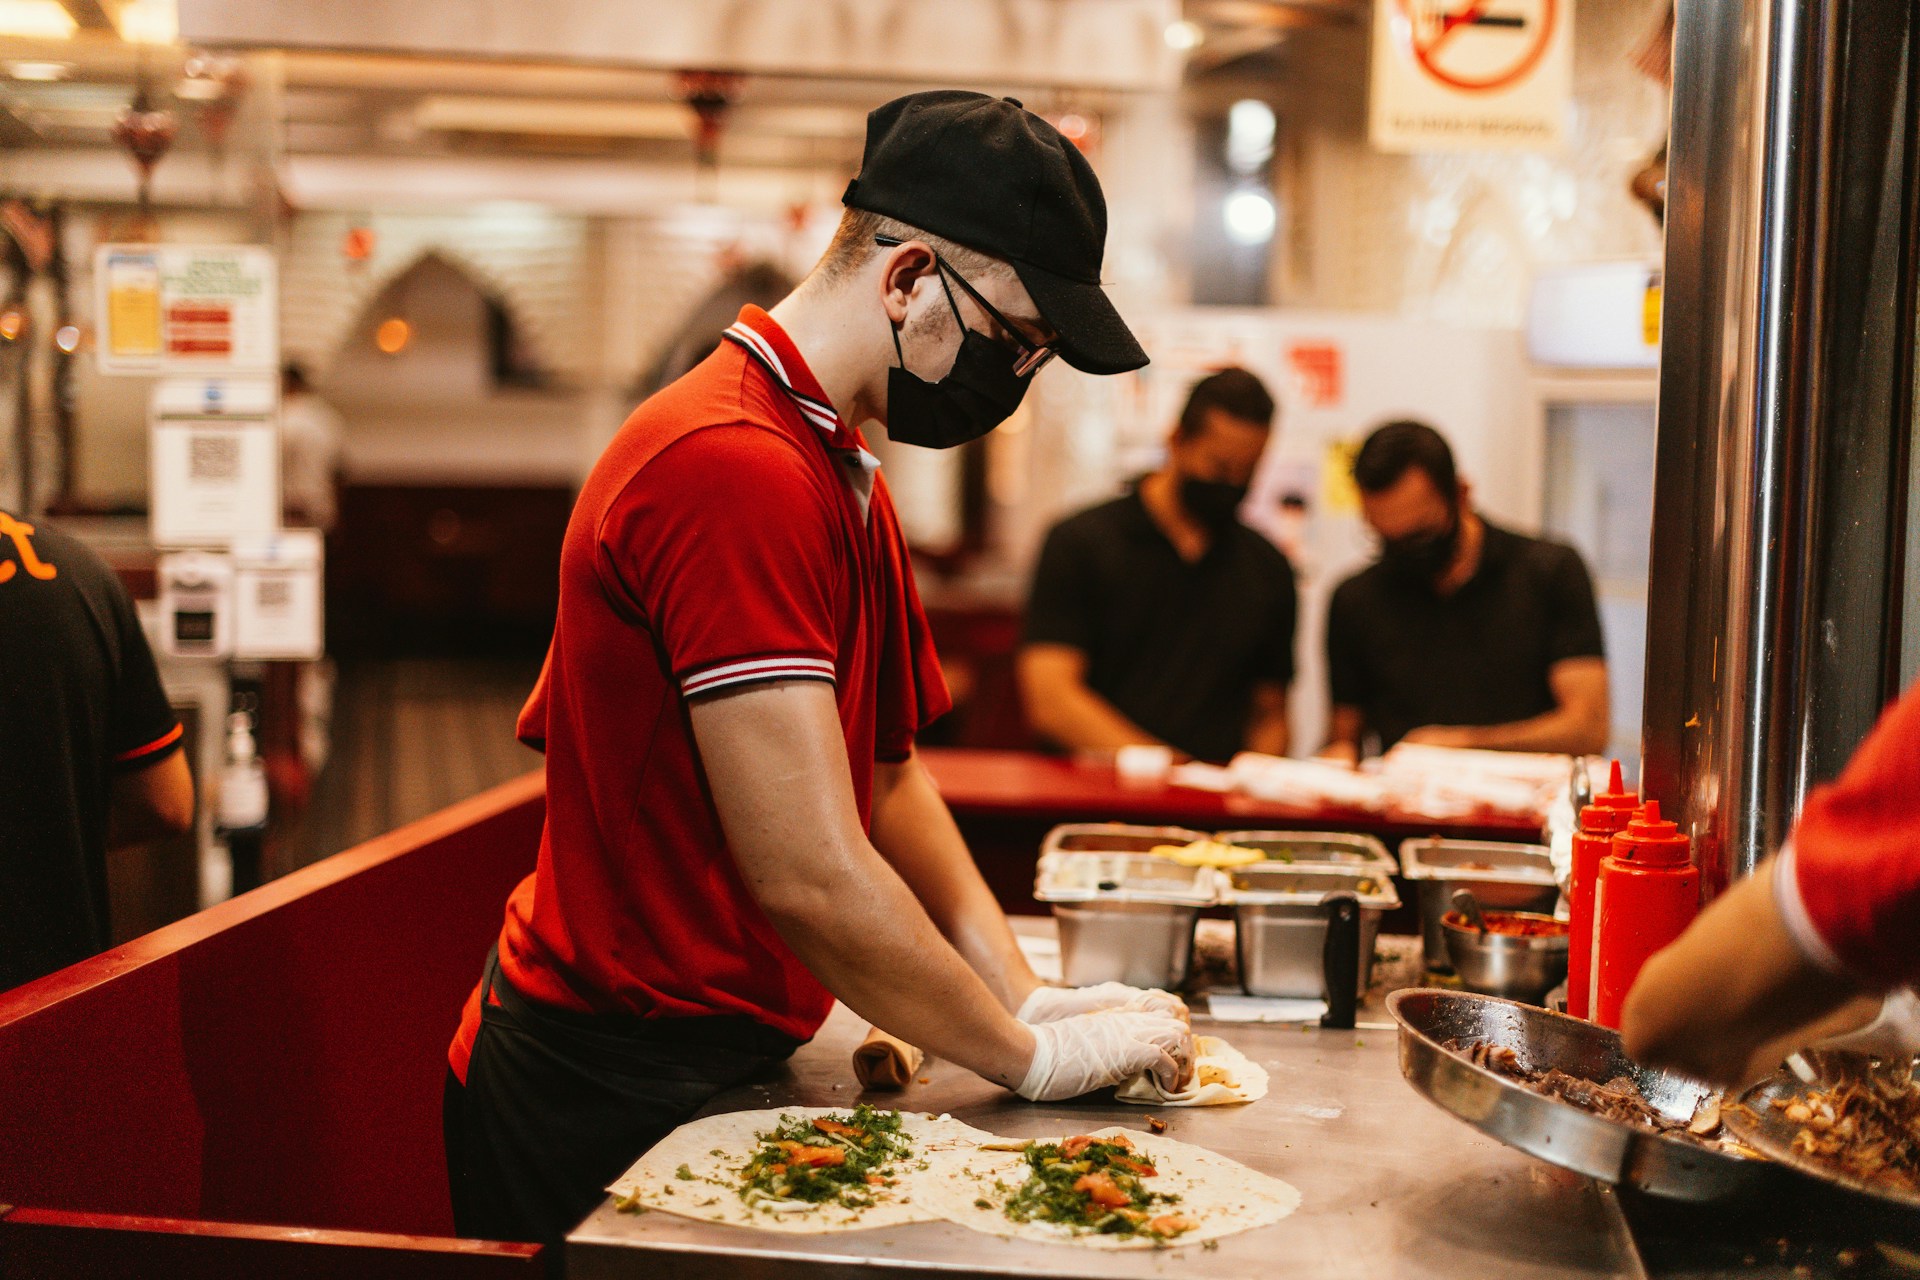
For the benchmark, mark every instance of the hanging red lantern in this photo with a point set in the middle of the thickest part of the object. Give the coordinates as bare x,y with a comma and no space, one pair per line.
146,134
710,94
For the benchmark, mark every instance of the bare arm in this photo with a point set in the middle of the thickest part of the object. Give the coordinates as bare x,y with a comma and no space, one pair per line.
1734,995
1577,726
915,833
1053,685
776,760
1343,735
152,802
1267,725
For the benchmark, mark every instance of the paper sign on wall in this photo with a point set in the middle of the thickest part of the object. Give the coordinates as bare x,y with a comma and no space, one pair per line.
215,465
1471,75
186,308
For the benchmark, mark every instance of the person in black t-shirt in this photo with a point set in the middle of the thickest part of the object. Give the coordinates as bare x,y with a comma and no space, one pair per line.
89,747
1462,634
1158,617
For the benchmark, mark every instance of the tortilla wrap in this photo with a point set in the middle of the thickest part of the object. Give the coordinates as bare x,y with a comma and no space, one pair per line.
1224,1195
712,1195
1222,1076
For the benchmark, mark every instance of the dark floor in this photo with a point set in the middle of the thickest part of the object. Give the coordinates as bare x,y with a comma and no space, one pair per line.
412,736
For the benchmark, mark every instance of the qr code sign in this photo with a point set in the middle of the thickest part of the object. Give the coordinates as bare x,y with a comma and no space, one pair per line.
213,459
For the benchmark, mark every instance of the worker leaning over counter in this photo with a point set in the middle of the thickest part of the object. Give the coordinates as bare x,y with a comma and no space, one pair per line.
1158,618
1786,956
1462,634
737,830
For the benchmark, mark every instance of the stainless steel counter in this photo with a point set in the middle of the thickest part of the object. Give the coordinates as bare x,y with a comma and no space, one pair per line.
1391,1187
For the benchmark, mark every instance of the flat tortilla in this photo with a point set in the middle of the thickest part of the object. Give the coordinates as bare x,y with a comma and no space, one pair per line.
1222,1076
1224,1195
712,1195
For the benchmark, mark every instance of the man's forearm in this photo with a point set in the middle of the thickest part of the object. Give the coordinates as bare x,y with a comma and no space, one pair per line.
1082,720
915,832
1562,730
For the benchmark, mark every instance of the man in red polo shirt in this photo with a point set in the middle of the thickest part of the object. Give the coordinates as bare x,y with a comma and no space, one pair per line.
737,831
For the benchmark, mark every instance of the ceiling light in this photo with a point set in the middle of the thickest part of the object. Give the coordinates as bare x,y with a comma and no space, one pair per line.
1250,129
45,19
1182,36
149,21
43,72
1250,217
67,338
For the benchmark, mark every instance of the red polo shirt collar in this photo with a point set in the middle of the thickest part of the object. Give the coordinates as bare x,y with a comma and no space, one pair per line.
761,336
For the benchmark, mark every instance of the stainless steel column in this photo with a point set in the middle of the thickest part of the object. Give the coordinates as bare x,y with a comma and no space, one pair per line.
1785,409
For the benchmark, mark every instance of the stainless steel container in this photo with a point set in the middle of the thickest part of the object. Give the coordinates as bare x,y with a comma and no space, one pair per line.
1113,837
1124,917
1281,925
1314,848
1497,964
1503,877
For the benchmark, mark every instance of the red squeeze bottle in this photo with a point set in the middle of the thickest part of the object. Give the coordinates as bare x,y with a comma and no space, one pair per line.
1609,813
1647,894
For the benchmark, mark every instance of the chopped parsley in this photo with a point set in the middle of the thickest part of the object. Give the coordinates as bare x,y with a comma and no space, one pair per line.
683,1173
836,1159
1095,1185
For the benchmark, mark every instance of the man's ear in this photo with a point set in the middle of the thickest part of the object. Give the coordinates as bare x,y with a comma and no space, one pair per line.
901,269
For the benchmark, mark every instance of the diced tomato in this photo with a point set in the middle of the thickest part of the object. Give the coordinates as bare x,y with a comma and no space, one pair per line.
1072,1147
835,1127
1100,1189
776,1169
876,1180
1171,1224
815,1157
1138,1168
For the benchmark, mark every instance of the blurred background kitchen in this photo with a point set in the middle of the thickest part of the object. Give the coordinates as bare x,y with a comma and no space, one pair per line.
461,249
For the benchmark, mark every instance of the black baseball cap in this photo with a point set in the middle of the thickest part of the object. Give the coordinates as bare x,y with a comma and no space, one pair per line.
987,173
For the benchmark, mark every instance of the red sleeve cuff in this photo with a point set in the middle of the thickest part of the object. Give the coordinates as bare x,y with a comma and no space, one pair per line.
723,675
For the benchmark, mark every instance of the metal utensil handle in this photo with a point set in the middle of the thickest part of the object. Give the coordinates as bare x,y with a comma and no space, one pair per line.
1469,906
1341,960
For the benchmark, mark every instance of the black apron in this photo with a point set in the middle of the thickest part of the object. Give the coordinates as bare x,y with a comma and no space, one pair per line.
557,1103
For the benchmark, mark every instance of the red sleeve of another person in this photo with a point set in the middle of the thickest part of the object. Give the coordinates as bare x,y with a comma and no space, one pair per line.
725,544
1856,854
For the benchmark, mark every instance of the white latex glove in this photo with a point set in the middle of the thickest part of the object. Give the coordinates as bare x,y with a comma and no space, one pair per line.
1895,1034
1050,1004
1091,1051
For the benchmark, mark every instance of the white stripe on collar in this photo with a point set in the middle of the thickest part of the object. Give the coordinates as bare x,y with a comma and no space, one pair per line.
818,412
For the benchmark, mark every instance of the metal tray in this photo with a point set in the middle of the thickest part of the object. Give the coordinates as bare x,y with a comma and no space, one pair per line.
1555,1131
1771,1133
1112,837
1504,877
1280,924
1122,877
1314,848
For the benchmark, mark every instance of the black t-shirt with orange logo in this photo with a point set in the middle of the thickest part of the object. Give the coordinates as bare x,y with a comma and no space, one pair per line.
80,699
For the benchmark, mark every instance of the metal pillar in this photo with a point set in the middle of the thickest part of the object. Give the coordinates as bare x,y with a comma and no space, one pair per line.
1785,413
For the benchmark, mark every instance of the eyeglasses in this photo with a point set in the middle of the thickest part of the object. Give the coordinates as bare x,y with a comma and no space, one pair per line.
1028,358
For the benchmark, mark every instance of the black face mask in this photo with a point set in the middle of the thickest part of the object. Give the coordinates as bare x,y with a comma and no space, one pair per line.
1422,557
978,394
1214,503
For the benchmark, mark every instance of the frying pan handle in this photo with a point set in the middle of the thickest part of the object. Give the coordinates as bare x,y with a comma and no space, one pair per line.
1341,960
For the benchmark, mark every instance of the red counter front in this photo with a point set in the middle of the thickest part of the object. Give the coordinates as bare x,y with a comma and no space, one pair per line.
276,1060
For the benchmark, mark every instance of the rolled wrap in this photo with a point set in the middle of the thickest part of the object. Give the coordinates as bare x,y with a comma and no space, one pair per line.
883,1062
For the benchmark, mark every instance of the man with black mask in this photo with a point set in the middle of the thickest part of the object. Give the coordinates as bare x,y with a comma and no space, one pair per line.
1462,634
737,831
1159,618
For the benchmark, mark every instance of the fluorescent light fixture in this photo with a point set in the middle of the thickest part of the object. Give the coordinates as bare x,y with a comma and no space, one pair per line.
149,21
40,72
1250,129
43,19
1249,216
1183,36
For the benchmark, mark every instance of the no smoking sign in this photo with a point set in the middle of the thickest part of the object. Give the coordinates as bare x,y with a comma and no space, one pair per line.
1459,75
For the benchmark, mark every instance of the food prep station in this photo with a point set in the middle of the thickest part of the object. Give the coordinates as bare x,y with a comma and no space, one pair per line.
1411,1161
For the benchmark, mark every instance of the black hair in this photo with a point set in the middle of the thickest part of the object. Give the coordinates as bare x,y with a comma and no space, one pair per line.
1398,447
1234,392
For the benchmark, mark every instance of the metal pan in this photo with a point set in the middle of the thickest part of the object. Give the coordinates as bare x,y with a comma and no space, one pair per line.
1768,1131
1556,1131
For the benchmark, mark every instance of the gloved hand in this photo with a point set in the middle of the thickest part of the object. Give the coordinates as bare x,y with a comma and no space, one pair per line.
1050,1004
1090,1051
